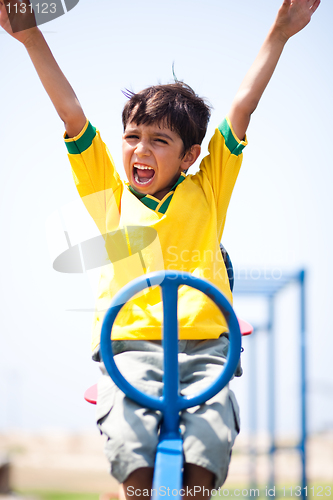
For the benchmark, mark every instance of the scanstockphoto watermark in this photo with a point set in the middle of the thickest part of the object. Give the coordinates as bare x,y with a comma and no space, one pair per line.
77,244
268,492
165,491
256,273
25,14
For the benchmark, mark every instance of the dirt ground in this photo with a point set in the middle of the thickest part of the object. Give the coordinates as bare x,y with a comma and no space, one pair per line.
67,462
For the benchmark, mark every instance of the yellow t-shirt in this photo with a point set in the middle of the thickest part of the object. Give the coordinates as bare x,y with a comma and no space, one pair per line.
140,240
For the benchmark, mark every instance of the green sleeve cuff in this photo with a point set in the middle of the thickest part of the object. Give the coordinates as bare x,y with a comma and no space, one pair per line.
232,142
81,142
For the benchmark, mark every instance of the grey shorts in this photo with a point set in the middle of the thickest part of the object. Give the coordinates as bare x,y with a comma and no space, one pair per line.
208,431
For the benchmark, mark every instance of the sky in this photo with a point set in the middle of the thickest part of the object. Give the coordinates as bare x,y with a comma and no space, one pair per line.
279,216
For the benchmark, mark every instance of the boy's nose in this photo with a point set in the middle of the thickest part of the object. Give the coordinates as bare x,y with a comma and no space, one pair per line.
142,148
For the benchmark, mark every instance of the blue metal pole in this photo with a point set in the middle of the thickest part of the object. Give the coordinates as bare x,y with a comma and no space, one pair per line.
253,409
170,423
303,384
271,390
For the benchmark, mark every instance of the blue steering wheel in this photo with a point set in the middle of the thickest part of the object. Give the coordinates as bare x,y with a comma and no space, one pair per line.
171,403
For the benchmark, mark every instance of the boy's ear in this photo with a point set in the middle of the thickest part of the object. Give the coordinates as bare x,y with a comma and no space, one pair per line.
191,156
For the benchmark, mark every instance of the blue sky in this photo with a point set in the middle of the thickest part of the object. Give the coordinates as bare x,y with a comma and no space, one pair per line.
279,216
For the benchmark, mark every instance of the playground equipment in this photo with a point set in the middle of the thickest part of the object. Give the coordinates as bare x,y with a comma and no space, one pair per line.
268,284
169,455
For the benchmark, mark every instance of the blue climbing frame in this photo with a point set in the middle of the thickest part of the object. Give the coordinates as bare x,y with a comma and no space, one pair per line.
264,284
169,456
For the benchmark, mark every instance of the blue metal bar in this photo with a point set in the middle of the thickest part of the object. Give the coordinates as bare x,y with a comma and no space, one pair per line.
168,471
303,384
170,423
265,284
253,408
271,391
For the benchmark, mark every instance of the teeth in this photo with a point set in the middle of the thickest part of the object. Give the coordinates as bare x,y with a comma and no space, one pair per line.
142,167
136,177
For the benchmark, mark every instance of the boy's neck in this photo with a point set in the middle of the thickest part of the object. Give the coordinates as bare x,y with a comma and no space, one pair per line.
160,194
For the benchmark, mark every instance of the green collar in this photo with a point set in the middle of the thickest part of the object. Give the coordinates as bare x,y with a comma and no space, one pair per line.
159,206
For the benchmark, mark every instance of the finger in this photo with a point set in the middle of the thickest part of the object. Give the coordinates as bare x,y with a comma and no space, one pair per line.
314,6
3,10
286,4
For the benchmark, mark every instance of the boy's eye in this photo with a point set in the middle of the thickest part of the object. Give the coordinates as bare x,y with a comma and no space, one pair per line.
161,140
132,136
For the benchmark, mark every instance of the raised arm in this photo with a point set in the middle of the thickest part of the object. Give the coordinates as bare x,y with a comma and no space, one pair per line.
54,81
292,17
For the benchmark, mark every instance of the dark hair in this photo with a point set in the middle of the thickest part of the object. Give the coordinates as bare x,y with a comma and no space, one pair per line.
174,105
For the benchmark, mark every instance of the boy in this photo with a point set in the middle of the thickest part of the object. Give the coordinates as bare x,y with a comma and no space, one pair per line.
163,129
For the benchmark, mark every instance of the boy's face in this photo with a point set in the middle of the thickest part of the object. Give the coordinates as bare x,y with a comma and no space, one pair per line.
153,158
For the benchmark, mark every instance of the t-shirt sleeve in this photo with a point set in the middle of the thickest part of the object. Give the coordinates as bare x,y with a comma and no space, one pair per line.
219,169
94,173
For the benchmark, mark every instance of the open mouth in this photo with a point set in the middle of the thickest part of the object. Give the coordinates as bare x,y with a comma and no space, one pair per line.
143,175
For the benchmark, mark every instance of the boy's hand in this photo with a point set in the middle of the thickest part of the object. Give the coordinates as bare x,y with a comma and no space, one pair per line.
294,15
20,23
18,19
